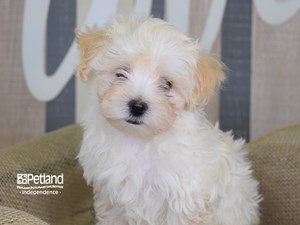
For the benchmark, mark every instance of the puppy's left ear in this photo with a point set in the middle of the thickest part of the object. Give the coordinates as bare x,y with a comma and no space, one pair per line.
208,77
90,43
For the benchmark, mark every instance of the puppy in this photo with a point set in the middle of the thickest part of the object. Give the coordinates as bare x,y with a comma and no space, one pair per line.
148,150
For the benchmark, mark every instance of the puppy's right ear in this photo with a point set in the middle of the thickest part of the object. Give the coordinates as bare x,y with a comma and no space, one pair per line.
90,44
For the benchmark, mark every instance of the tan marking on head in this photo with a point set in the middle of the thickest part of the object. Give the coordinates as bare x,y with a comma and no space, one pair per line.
90,43
208,77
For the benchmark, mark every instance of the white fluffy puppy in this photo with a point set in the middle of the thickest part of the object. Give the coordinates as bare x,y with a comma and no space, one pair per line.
148,151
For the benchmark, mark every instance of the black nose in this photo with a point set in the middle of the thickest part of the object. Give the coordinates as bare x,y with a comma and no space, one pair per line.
137,107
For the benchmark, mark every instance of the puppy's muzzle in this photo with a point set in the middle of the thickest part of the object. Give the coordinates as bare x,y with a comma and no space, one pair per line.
137,108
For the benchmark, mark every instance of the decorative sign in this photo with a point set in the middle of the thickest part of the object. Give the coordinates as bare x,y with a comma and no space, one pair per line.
46,88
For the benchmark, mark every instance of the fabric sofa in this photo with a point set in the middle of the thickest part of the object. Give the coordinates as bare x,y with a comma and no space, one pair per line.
275,157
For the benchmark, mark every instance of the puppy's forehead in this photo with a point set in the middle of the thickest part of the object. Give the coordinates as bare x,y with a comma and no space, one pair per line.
143,66
154,44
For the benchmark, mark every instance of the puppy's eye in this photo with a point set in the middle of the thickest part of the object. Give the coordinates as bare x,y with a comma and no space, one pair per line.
167,85
121,75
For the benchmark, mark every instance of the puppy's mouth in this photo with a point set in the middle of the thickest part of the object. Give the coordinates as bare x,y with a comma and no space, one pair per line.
134,121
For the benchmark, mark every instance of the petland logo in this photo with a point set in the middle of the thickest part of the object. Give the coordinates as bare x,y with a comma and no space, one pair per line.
42,184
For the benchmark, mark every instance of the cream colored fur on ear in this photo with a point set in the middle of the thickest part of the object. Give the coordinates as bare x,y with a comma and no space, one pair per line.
208,77
90,43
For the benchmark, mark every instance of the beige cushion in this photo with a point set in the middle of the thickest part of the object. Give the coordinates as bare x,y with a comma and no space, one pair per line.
53,154
276,162
18,217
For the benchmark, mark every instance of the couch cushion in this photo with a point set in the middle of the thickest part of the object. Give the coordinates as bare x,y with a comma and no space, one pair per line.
276,164
53,153
14,216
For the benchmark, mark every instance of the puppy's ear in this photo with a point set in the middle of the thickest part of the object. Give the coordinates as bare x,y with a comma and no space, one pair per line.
90,43
208,77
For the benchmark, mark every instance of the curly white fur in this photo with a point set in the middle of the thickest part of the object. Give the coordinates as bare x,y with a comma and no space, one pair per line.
174,168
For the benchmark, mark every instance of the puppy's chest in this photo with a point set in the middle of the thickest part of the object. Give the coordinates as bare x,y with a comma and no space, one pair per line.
143,159
152,165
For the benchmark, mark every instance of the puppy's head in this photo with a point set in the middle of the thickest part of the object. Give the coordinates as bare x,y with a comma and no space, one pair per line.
146,73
